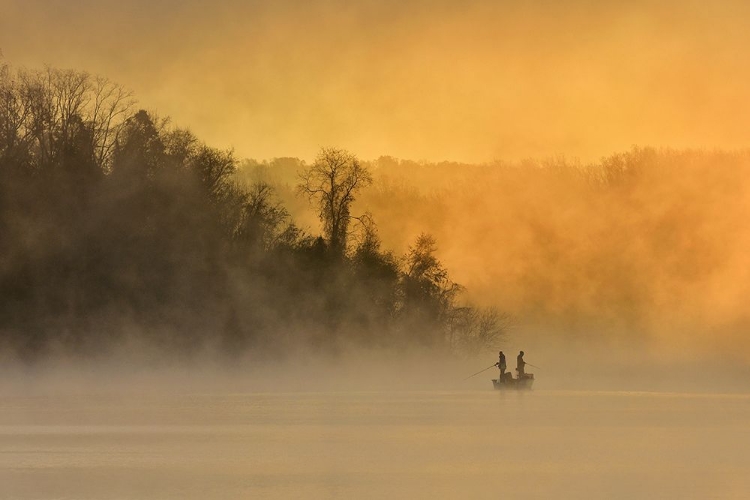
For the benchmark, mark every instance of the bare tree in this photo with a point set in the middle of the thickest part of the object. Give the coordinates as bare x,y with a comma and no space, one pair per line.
475,330
14,114
49,109
332,182
428,274
111,103
264,221
214,168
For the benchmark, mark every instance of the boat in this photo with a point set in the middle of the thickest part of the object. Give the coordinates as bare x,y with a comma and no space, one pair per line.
508,382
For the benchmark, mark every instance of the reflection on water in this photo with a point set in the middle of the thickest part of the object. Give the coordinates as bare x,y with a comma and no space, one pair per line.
346,445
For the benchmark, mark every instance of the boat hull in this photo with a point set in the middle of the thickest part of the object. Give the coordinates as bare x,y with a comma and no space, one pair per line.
524,383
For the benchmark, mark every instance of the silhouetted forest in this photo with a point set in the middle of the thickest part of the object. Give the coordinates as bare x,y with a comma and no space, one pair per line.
118,228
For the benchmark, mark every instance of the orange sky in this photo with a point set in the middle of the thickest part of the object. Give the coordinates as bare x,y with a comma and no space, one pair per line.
469,80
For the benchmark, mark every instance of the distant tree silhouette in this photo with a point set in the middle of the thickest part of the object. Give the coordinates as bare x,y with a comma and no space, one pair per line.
333,182
262,224
44,111
376,274
428,294
473,330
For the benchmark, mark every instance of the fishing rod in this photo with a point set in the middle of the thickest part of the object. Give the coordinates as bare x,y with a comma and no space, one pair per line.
533,366
480,371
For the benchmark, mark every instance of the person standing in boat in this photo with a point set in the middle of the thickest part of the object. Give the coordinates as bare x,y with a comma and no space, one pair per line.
501,364
520,365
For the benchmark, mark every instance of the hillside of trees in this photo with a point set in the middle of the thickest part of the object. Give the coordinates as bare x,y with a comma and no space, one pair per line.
117,227
646,245
649,245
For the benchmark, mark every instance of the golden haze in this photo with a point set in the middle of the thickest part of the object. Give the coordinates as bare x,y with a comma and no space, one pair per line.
470,81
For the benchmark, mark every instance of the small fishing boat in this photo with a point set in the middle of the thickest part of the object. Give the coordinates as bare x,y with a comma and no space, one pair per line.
508,382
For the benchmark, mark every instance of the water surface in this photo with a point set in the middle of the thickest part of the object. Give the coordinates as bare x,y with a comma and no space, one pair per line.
472,444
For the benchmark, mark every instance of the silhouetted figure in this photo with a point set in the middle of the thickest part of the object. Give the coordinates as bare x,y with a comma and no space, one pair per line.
501,364
520,365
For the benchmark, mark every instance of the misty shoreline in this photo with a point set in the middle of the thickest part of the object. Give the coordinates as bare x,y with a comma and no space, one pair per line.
123,232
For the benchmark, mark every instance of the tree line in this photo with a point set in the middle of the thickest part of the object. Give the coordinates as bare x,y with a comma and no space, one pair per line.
117,227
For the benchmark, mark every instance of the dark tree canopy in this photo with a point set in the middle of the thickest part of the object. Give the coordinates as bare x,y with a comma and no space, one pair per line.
116,225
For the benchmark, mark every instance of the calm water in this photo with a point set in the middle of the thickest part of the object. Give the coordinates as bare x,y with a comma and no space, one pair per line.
479,444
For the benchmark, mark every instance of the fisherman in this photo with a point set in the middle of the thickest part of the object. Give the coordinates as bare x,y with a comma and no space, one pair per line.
520,365
501,364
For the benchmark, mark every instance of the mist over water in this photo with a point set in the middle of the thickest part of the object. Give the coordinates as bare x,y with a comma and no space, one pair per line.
374,424
181,436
